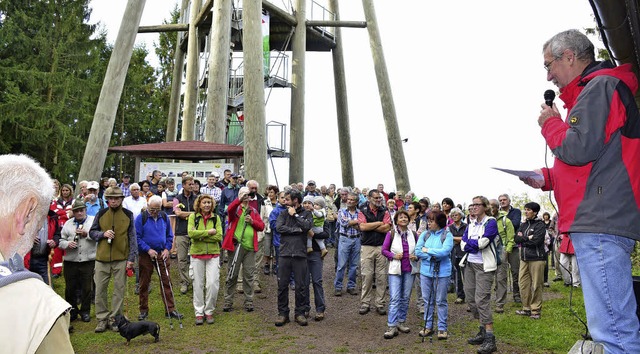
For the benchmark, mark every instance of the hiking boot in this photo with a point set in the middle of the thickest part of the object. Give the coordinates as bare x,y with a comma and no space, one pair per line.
479,338
85,317
301,320
209,319
101,327
381,311
488,345
199,320
319,316
425,332
337,292
523,312
516,299
402,327
443,335
282,320
227,308
499,309
391,332
535,316
459,301
364,309
248,307
352,291
256,288
143,316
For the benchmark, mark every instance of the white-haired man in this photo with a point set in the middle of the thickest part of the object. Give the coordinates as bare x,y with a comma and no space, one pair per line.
135,203
28,304
153,231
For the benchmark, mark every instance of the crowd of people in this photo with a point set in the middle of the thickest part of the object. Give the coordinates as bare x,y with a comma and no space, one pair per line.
396,242
392,242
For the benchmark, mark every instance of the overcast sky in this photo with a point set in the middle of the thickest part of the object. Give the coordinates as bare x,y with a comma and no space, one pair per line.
467,79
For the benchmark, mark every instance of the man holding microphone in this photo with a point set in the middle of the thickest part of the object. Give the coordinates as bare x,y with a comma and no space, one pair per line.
596,180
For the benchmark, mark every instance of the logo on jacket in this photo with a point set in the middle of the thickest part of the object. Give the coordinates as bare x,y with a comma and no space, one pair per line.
573,120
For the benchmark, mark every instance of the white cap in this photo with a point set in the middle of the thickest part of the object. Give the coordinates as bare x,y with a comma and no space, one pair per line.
215,174
93,185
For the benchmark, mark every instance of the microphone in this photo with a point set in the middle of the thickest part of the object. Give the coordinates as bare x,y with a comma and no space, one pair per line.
549,95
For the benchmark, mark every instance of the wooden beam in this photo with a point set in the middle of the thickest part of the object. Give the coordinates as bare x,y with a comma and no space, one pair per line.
170,27
356,24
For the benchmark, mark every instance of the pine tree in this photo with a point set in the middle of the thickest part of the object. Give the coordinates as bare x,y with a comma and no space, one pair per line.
50,75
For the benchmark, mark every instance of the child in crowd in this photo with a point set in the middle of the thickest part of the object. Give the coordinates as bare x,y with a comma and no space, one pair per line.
319,215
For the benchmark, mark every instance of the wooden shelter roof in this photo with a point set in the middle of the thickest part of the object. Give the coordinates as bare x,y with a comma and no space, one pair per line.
183,150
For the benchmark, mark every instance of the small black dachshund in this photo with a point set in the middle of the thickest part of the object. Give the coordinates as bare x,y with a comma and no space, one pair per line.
130,330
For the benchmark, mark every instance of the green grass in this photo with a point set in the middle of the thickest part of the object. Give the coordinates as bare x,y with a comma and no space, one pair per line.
239,331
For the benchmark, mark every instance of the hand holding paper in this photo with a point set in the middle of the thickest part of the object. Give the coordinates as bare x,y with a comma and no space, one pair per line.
533,178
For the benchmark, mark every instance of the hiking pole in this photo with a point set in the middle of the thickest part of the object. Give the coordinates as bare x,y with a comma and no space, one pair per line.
436,275
171,288
164,296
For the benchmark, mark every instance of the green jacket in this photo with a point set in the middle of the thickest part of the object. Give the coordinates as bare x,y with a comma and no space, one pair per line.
506,231
201,241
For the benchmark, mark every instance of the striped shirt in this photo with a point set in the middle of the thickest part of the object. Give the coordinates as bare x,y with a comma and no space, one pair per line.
214,191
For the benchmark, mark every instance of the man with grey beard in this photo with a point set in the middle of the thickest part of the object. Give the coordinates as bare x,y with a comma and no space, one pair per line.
42,315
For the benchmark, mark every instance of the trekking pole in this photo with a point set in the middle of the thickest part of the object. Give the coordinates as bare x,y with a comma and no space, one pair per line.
171,288
164,296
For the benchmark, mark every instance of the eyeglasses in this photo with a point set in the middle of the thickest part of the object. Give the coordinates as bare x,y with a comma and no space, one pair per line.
476,205
547,66
153,210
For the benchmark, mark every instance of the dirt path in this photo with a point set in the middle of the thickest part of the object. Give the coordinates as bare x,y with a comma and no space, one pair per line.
344,330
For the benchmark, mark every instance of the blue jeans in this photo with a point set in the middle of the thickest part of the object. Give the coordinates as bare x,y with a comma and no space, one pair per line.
400,287
605,270
348,252
314,277
440,300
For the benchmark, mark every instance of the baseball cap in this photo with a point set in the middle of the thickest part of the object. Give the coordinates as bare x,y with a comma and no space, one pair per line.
215,174
93,185
234,175
311,182
126,176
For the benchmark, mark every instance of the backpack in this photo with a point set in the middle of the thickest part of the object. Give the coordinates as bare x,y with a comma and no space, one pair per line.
162,214
12,270
196,220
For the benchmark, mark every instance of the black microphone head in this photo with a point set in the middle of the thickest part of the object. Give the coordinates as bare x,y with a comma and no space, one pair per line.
549,95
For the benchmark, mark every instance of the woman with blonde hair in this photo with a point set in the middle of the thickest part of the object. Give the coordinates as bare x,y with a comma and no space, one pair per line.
480,267
205,231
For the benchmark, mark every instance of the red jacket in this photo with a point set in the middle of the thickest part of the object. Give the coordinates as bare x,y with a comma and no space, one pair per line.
234,212
596,174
